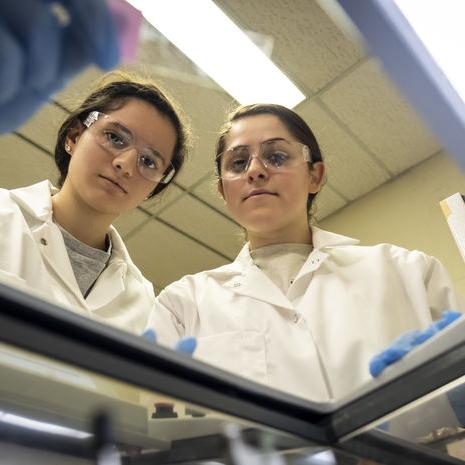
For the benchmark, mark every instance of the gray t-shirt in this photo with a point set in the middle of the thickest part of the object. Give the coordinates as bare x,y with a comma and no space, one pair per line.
281,262
87,262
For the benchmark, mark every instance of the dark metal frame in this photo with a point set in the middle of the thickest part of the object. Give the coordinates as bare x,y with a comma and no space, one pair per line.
44,328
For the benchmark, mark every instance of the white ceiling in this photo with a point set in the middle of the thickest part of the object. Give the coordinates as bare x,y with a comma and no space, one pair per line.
367,132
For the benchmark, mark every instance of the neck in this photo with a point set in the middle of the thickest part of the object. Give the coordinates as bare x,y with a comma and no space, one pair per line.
302,235
85,224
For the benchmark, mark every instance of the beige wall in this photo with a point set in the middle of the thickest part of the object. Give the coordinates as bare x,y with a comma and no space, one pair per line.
406,212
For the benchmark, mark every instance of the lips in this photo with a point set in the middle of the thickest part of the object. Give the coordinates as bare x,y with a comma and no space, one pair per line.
116,183
258,192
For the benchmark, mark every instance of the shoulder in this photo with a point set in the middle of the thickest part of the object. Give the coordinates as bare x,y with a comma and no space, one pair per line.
5,199
120,255
191,285
10,211
385,253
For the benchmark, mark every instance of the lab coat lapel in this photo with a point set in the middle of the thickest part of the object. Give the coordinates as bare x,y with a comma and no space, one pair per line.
111,283
322,240
53,250
36,204
252,282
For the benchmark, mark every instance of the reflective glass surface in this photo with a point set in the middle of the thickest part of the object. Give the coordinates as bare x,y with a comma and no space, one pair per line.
53,413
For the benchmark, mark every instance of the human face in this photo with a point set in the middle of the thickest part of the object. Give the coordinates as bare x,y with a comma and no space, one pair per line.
112,183
266,202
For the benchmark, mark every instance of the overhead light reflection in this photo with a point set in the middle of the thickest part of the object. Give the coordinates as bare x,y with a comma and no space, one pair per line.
201,30
42,426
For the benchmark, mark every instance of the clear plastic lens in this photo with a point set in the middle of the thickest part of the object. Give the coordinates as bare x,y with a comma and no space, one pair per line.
275,156
115,138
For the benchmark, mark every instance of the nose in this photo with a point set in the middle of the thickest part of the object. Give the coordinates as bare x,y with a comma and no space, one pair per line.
125,162
256,169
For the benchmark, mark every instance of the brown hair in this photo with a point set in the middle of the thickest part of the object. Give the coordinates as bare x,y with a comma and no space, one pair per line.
293,122
113,91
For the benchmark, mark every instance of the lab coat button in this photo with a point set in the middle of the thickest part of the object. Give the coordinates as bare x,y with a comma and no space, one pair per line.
296,317
236,284
43,241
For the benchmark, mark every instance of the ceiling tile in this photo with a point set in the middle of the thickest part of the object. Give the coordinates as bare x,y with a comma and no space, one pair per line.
205,225
206,109
327,202
307,45
23,164
43,127
164,255
208,192
78,88
129,222
350,169
370,106
163,200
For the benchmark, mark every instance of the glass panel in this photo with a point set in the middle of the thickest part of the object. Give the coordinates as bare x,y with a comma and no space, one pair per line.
435,420
48,413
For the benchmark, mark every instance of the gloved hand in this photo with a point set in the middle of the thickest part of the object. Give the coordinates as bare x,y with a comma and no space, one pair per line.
44,43
408,341
185,345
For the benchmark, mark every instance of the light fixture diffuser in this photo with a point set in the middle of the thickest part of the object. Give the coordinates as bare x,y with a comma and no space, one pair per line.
202,31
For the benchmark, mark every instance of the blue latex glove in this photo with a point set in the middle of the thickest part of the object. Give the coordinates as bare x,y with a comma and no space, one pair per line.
408,341
44,43
185,345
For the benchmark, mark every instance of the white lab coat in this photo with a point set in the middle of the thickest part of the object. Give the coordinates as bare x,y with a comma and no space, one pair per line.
33,256
347,303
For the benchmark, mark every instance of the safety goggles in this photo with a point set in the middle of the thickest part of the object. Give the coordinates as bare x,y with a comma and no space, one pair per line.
275,156
115,138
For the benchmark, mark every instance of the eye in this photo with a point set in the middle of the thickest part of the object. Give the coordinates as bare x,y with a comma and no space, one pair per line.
277,158
115,139
150,162
237,163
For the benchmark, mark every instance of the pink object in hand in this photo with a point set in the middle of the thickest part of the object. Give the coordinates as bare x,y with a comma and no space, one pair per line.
128,22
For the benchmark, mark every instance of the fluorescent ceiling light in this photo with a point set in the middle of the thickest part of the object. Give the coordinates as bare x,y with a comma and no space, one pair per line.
221,49
42,426
439,25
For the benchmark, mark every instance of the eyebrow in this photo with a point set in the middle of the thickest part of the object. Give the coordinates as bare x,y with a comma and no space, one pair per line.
126,130
273,139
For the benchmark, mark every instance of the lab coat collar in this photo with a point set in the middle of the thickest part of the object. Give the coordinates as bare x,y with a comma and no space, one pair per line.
321,240
36,200
324,239
244,277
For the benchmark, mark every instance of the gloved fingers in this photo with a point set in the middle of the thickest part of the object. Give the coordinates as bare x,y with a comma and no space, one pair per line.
38,33
398,349
408,341
448,317
16,112
94,34
150,335
12,60
186,345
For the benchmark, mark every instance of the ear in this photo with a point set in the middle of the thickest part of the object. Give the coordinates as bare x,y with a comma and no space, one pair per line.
73,136
317,177
220,188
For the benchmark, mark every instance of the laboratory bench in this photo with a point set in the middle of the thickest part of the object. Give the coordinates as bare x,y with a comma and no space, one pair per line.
75,392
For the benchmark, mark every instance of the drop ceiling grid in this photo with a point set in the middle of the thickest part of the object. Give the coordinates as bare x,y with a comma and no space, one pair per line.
30,166
351,171
205,225
367,103
308,46
164,255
